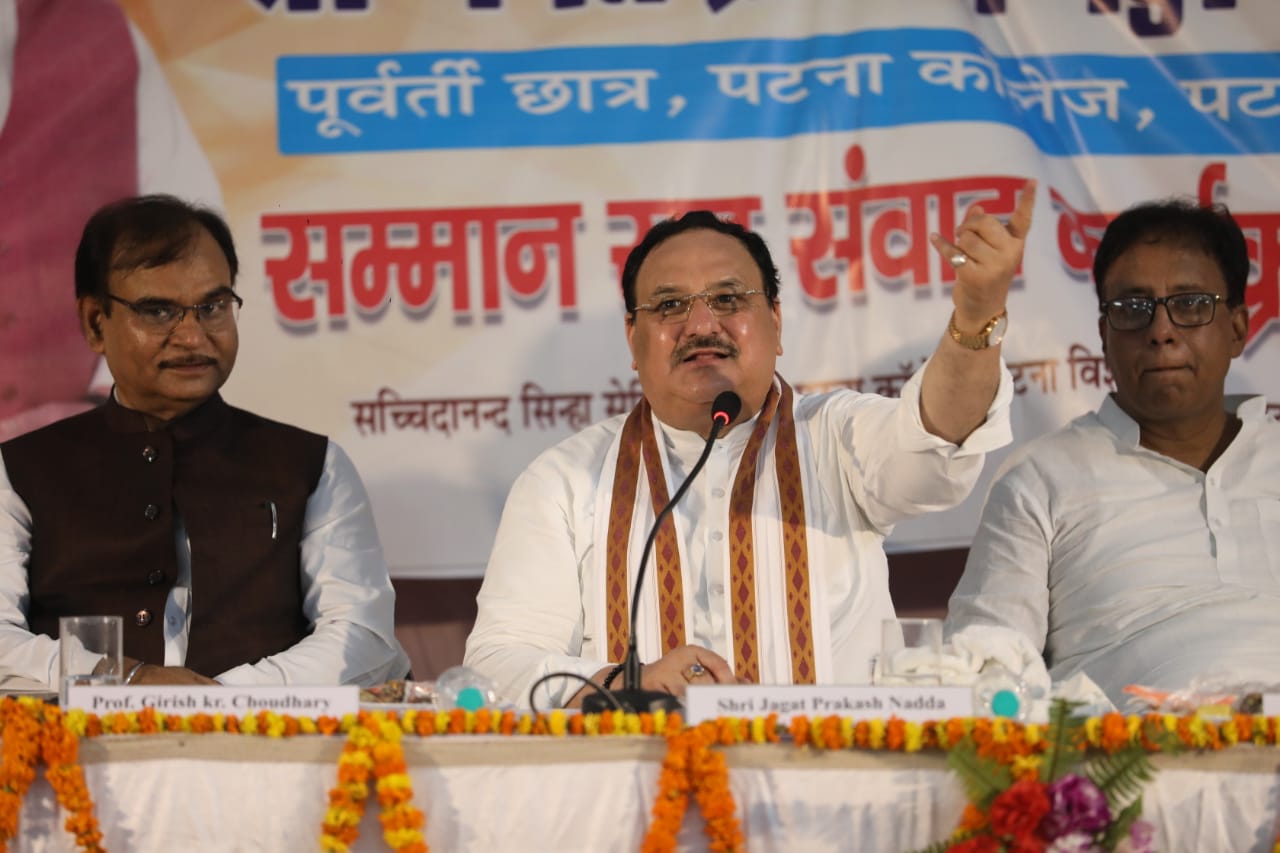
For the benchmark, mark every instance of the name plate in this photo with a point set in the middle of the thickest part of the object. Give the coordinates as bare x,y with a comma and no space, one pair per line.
864,702
172,699
1271,704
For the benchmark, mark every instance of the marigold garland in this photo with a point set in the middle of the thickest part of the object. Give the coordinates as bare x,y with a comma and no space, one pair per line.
373,749
31,732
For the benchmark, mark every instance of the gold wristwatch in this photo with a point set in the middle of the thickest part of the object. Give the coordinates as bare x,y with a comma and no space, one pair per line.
991,334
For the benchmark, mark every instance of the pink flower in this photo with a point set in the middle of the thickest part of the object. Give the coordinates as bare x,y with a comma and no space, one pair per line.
1141,838
1078,807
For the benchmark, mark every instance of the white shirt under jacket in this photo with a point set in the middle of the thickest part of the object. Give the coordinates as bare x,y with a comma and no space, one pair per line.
868,463
347,597
1132,567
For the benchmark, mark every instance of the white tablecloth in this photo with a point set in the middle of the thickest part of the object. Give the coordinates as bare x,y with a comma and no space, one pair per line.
232,792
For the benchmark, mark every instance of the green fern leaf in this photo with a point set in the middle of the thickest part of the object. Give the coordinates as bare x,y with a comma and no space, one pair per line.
1061,751
982,778
1122,775
1119,829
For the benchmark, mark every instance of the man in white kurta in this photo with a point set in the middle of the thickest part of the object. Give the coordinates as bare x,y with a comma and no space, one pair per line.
1131,566
703,318
1140,544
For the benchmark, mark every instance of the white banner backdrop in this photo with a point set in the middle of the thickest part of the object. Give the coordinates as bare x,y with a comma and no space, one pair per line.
432,200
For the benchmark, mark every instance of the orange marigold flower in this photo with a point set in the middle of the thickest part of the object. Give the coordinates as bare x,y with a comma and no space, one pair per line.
973,819
1115,732
895,734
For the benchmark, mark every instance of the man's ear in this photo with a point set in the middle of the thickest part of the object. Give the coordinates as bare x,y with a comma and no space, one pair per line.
1239,329
630,323
777,324
91,319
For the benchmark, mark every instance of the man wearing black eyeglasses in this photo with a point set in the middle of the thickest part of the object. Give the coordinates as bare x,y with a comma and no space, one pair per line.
772,568
237,549
1141,543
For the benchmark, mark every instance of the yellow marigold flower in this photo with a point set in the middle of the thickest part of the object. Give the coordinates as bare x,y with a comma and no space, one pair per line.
757,730
398,838
631,723
1033,733
875,731
1199,732
659,721
76,721
557,723
408,721
914,740
1093,730
1170,722
339,816
525,725
590,725
846,732
395,781
1000,730
1024,765
307,725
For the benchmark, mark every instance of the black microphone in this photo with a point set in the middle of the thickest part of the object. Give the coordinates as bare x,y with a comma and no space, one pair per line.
724,409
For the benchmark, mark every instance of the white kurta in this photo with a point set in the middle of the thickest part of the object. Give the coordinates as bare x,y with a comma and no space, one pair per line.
1129,566
868,463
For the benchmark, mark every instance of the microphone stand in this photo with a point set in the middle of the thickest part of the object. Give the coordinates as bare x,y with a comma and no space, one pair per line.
632,697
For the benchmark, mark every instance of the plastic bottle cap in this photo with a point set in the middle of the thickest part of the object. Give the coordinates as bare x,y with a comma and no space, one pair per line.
1004,703
472,699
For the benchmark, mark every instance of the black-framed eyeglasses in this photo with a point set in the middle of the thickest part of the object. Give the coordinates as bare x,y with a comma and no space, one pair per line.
676,309
1131,313
163,316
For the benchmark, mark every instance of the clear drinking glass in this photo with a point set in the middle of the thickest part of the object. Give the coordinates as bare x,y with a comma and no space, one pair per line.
911,651
91,650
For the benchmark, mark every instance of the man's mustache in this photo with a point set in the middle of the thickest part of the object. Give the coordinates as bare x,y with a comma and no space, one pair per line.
706,342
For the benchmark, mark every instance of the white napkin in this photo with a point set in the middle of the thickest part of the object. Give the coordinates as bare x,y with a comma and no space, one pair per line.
1081,688
916,665
960,661
982,644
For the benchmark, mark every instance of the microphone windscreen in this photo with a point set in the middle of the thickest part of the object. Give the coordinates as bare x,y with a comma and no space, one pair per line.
726,406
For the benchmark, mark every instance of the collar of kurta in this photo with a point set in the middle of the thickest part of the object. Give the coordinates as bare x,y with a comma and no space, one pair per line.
639,448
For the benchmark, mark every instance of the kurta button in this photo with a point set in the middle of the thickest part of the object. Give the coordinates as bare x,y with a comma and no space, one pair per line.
142,618
151,512
155,577
149,453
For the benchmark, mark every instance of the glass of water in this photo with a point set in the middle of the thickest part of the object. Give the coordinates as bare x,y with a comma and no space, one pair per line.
91,650
910,651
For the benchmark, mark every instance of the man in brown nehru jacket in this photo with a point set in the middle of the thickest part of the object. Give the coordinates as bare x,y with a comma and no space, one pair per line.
238,550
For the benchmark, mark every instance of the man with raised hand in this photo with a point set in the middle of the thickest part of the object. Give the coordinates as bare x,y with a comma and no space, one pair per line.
772,569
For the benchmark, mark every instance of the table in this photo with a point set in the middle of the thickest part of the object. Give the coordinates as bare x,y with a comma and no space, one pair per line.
222,792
